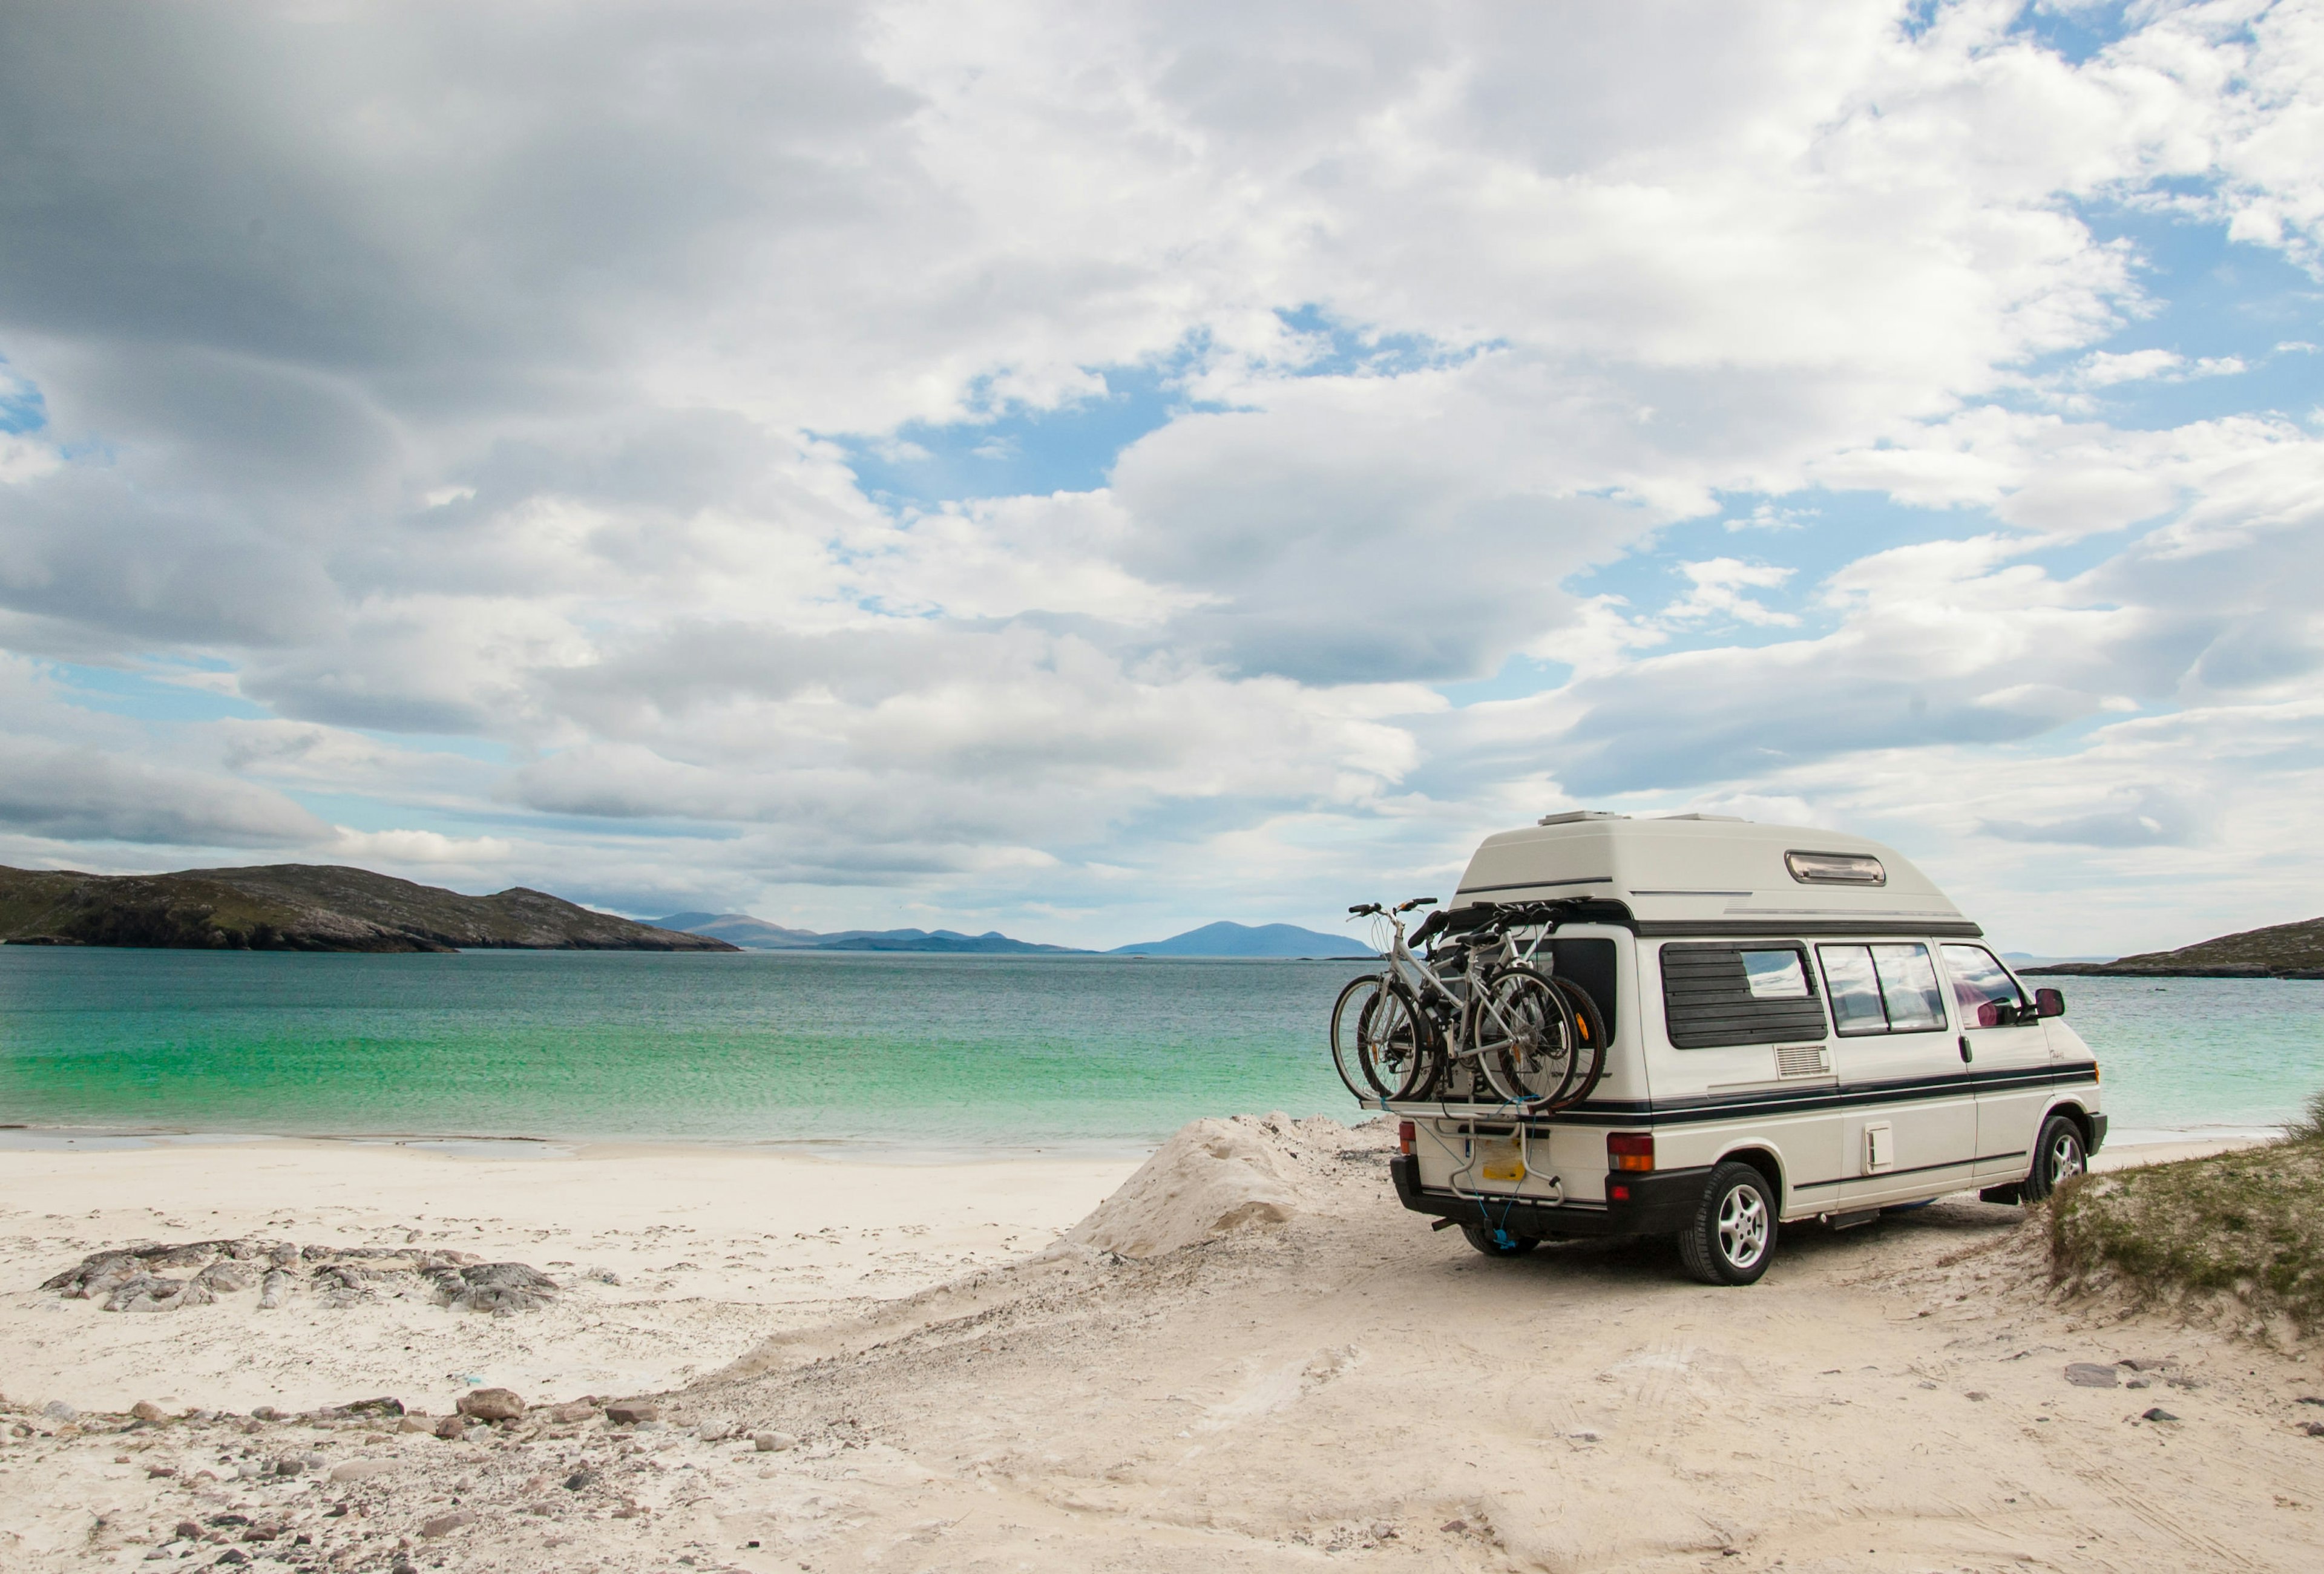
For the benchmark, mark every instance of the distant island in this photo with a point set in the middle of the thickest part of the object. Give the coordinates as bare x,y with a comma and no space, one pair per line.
745,932
2280,951
1275,940
1223,940
305,906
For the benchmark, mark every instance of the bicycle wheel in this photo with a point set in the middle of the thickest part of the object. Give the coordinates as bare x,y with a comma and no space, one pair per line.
1527,1039
1395,1046
1347,1012
1591,1022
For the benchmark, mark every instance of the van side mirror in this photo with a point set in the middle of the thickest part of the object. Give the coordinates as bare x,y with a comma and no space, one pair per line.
2049,1003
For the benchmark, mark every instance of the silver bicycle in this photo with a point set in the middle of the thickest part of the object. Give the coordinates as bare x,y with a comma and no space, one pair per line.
1475,1002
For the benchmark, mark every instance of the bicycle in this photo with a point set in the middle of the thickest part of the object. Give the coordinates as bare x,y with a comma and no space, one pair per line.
1538,1042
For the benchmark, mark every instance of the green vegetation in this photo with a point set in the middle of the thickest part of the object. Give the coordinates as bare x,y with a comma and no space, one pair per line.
2248,1224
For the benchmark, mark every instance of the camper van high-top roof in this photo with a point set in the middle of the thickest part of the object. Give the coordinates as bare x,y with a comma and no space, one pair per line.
1728,874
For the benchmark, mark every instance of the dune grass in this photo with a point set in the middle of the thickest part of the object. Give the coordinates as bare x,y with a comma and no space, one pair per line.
2248,1224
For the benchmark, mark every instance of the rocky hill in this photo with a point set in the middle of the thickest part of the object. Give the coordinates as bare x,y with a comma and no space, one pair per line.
2280,951
304,907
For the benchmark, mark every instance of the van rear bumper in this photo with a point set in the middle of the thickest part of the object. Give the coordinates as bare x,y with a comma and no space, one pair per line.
1661,1203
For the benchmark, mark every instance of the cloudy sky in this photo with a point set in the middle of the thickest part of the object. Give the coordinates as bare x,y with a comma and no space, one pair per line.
1088,469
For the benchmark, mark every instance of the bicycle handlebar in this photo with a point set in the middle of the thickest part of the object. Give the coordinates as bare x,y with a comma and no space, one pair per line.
1362,909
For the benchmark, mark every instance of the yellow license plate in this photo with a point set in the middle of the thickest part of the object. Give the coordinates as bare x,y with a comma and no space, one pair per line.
1501,1161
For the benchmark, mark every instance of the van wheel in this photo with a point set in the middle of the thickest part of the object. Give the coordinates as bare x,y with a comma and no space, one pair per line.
2058,1158
1733,1233
1497,1243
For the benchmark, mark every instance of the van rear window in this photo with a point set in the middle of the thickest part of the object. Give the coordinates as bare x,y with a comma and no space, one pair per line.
1715,995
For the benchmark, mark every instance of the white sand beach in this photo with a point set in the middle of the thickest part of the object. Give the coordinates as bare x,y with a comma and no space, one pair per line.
713,1249
942,1388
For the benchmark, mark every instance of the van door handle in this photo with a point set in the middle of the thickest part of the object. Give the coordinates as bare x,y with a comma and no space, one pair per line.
1964,1044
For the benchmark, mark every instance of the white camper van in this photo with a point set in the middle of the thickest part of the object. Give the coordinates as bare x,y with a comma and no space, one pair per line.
1797,1026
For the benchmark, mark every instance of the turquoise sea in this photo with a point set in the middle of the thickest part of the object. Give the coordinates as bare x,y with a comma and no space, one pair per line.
931,1054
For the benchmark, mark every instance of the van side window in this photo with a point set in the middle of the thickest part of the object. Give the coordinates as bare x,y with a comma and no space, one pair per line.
1715,995
1882,988
1980,980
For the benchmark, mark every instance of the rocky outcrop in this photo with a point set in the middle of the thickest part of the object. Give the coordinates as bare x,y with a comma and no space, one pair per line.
303,907
2280,950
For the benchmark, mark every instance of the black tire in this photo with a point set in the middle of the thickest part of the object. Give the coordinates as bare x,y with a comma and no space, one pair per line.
1733,1236
1591,1022
1497,1243
2060,1153
1395,1045
1347,1012
1526,1034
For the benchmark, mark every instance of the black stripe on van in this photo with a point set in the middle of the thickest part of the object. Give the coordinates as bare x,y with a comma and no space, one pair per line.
1771,1101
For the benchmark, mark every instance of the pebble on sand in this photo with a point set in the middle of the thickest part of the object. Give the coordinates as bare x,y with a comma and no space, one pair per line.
2090,1375
632,1412
444,1525
773,1442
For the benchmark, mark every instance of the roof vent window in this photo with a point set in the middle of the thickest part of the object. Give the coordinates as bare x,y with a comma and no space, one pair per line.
1835,868
1574,816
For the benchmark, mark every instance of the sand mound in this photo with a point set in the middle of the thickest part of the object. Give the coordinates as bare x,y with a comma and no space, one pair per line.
1213,1176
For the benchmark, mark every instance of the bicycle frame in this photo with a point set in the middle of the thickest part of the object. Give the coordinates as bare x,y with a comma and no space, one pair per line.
1460,993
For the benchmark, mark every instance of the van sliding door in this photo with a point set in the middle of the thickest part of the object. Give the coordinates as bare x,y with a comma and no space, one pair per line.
1910,1109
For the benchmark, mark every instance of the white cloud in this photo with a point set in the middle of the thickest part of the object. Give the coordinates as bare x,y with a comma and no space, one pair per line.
435,374
1718,590
419,847
84,795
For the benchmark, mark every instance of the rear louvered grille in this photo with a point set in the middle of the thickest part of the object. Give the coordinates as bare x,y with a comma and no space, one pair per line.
1708,1001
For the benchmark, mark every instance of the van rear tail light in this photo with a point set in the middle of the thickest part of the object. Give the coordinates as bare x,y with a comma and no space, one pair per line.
1404,1135
1629,1150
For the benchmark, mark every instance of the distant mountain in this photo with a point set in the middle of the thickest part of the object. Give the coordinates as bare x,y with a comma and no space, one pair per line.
2280,951
740,929
757,935
304,907
1279,940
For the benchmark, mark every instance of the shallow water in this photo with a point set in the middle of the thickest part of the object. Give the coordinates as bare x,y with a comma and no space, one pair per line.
912,1053
917,1051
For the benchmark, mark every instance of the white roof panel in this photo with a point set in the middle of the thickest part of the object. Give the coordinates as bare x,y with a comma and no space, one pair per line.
1684,869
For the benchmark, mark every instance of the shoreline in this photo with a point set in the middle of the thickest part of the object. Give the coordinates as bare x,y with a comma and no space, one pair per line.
24,1136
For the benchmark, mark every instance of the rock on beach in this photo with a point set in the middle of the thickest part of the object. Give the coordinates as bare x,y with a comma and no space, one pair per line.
492,1405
